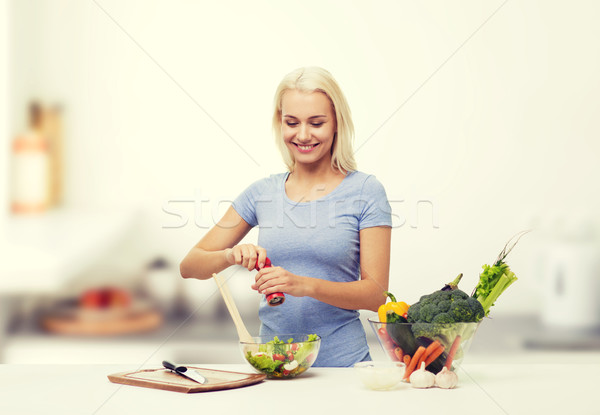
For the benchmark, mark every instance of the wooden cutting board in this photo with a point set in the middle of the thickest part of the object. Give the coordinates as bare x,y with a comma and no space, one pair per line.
166,380
71,319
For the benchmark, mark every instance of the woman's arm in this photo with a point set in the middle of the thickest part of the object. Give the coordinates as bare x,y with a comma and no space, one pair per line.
365,294
218,249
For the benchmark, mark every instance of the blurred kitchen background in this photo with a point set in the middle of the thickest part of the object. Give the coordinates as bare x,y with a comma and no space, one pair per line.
127,127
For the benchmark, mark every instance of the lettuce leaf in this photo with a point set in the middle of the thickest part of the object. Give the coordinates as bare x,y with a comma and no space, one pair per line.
263,362
304,351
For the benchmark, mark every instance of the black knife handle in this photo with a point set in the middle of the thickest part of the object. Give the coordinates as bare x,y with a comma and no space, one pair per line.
169,365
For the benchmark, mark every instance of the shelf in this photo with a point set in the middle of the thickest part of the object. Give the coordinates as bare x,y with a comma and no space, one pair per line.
41,253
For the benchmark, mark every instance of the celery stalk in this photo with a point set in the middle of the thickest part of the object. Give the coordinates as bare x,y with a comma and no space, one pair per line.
488,299
496,278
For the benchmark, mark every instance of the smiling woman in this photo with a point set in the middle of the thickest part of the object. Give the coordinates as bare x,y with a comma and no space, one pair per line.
316,89
325,226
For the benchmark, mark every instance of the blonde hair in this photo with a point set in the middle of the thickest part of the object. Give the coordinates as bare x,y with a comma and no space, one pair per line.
315,79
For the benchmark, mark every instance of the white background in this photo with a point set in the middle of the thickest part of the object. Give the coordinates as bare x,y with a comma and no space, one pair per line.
488,109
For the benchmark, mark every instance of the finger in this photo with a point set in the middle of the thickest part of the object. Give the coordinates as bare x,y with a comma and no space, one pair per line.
258,279
252,259
268,283
262,257
261,288
277,288
245,255
261,281
237,255
263,272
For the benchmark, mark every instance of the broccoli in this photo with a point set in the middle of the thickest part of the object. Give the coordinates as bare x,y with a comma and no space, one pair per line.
443,318
468,310
446,307
444,333
435,317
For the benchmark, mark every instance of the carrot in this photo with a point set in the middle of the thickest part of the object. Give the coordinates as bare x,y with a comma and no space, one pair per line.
406,359
398,353
452,352
413,362
391,353
434,355
434,345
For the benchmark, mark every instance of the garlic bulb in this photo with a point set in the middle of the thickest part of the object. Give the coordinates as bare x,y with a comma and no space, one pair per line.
446,379
422,378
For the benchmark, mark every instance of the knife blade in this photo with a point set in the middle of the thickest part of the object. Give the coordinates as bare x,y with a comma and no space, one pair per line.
185,372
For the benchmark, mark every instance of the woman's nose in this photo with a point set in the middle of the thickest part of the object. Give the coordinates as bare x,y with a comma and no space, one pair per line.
303,133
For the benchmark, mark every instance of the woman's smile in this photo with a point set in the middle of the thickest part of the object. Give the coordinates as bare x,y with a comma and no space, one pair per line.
305,148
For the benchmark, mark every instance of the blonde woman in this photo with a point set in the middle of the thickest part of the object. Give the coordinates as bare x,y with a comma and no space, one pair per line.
325,226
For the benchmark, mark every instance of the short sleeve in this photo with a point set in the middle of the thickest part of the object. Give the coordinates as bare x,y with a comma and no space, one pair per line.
245,203
376,210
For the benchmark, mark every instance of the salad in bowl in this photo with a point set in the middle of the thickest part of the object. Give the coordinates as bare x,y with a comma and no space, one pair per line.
281,357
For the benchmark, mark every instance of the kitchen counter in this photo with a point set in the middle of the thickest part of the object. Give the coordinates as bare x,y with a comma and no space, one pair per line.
503,339
42,253
483,389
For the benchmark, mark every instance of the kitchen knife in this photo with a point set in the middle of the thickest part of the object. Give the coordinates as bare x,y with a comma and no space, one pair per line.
185,372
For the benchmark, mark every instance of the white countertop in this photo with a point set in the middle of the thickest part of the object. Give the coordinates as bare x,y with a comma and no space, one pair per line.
483,389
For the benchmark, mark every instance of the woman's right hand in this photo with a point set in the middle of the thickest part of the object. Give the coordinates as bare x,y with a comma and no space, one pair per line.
246,255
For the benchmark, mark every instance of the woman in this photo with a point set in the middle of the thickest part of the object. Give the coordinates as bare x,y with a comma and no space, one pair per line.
325,226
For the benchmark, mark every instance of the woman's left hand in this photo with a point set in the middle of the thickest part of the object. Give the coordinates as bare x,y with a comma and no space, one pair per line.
276,279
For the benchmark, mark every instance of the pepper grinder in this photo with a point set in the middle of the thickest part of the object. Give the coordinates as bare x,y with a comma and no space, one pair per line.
273,299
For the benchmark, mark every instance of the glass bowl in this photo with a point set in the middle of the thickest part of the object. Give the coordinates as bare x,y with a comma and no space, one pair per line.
400,340
380,375
281,357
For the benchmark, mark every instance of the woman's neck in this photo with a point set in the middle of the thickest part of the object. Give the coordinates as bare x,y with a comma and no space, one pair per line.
304,185
314,174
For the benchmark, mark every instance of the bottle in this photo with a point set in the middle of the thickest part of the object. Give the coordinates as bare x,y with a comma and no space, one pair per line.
30,167
163,286
52,130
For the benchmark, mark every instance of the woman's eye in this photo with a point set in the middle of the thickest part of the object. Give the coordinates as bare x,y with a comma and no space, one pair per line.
316,124
291,123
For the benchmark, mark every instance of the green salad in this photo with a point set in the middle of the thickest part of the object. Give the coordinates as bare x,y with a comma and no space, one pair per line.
279,359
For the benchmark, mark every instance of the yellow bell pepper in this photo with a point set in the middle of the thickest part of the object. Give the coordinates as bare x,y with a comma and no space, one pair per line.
397,307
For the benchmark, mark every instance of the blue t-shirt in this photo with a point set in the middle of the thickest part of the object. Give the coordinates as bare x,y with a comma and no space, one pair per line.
319,239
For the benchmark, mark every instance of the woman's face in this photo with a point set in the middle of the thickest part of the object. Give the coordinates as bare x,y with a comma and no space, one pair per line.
308,126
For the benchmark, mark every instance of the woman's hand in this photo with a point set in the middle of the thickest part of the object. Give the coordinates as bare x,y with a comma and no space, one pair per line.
276,279
246,255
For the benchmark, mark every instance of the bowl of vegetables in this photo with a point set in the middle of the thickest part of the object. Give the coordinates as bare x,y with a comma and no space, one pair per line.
436,332
281,357
438,345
